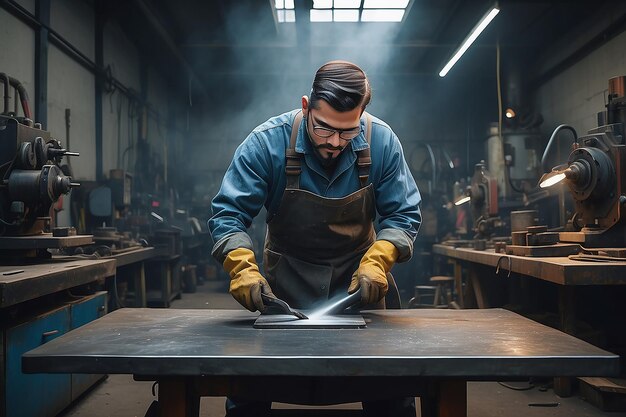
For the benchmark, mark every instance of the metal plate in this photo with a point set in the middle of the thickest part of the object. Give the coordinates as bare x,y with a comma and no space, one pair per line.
284,321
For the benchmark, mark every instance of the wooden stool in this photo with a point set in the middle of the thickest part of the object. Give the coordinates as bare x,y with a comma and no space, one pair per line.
424,297
443,292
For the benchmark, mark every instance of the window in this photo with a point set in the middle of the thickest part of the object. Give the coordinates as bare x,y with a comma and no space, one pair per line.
346,10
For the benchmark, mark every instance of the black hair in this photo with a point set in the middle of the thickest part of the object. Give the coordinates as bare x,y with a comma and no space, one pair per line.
341,84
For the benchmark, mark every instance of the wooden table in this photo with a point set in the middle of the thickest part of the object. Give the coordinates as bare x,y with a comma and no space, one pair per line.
20,283
130,265
429,353
563,271
566,273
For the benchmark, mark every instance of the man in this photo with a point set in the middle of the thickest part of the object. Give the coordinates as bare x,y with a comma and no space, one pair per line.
323,173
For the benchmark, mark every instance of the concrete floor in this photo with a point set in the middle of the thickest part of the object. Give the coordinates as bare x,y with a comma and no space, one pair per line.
121,396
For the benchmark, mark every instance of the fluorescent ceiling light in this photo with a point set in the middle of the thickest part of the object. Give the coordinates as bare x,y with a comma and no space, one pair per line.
321,15
322,4
382,15
462,200
347,4
346,15
385,4
487,18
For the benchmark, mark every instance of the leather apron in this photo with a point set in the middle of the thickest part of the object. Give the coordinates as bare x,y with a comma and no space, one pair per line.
313,243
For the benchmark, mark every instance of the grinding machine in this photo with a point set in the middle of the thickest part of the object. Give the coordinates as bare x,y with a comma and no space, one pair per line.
595,174
482,195
32,181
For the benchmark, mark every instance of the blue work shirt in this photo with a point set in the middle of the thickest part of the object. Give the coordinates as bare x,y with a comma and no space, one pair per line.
256,178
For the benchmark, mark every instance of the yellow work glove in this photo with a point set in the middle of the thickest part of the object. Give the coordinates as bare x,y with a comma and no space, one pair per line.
371,276
246,282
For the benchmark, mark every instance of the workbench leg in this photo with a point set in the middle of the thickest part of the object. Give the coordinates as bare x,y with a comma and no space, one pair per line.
477,288
567,316
458,283
445,399
176,399
140,285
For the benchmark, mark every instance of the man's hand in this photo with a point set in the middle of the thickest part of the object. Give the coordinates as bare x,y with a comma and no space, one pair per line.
371,276
246,282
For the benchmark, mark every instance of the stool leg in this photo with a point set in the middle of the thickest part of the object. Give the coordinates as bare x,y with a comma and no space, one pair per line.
437,295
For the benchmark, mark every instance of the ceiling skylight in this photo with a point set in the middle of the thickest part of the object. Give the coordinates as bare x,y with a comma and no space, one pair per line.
346,15
347,4
382,15
385,4
285,11
323,15
346,10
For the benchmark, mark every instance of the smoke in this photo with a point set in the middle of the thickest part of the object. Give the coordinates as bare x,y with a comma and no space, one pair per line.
255,69
267,68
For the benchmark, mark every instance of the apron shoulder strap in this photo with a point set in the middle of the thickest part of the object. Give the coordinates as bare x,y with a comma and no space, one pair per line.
293,166
364,161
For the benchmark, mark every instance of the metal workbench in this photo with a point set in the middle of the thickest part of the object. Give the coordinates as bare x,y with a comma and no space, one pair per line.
428,353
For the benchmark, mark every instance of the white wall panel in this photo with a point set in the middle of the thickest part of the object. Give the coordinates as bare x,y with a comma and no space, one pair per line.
157,124
576,95
28,5
119,126
74,20
17,53
72,86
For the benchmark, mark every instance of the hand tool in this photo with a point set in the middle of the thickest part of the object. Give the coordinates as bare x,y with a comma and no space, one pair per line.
282,305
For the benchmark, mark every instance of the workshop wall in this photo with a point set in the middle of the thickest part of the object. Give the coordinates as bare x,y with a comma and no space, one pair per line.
17,53
157,129
579,93
28,5
410,103
71,85
119,115
575,95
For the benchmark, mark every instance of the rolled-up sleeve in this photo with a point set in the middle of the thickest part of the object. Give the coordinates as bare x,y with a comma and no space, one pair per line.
240,198
397,198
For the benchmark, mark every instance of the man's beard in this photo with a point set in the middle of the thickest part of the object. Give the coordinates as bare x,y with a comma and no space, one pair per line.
326,158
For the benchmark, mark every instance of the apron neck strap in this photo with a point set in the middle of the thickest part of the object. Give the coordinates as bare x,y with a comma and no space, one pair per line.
293,167
364,161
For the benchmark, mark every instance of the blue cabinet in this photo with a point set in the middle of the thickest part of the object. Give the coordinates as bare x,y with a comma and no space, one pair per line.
30,395
82,312
43,395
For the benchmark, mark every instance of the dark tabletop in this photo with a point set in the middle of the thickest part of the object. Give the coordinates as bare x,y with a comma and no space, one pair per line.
471,344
